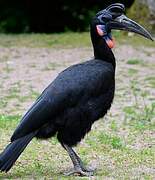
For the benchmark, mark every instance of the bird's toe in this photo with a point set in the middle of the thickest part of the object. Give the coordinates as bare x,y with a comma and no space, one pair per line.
87,169
79,172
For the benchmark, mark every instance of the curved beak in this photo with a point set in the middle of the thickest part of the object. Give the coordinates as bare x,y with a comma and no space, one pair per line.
124,23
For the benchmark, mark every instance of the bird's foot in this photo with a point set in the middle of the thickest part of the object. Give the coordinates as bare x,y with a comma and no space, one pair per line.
80,172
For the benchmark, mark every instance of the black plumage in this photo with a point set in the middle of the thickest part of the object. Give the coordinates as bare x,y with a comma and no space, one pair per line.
79,95
68,107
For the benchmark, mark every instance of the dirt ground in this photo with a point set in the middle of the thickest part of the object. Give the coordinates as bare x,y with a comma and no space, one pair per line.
25,72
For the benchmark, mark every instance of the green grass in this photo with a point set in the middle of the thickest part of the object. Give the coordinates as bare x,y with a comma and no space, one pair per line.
114,141
13,93
132,71
141,114
3,103
8,121
63,40
134,61
48,159
151,81
66,40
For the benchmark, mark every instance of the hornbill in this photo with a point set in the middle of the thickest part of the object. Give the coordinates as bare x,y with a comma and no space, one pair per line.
80,95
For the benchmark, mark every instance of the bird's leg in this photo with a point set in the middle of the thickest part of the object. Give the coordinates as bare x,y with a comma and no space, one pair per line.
78,164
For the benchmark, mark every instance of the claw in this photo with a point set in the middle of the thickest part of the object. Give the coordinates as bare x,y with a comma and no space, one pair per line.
87,169
79,172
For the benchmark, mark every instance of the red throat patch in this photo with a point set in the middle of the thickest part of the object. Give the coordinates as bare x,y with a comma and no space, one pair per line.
110,43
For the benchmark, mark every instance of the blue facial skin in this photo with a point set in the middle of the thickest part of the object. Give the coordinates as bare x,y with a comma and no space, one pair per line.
103,28
106,35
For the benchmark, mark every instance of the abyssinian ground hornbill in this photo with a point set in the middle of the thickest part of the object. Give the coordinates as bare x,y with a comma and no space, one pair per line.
80,95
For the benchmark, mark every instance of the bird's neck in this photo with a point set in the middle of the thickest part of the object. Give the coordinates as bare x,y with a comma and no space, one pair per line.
104,53
101,50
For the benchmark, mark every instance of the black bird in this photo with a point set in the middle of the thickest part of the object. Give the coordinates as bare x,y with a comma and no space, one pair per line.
80,95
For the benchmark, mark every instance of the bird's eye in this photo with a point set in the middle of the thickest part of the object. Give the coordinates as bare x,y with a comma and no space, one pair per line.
106,17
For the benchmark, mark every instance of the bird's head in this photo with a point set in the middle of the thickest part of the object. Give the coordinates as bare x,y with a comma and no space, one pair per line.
113,18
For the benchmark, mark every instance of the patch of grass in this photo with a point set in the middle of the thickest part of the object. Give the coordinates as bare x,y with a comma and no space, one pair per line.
8,122
113,141
132,71
3,103
14,92
63,40
113,125
151,81
134,61
139,157
140,115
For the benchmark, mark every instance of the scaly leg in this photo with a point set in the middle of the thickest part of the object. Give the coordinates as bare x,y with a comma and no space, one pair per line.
79,167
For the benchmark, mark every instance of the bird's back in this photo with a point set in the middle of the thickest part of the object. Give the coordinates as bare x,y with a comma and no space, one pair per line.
90,77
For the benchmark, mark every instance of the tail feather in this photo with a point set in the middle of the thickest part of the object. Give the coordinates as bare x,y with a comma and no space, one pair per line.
13,151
